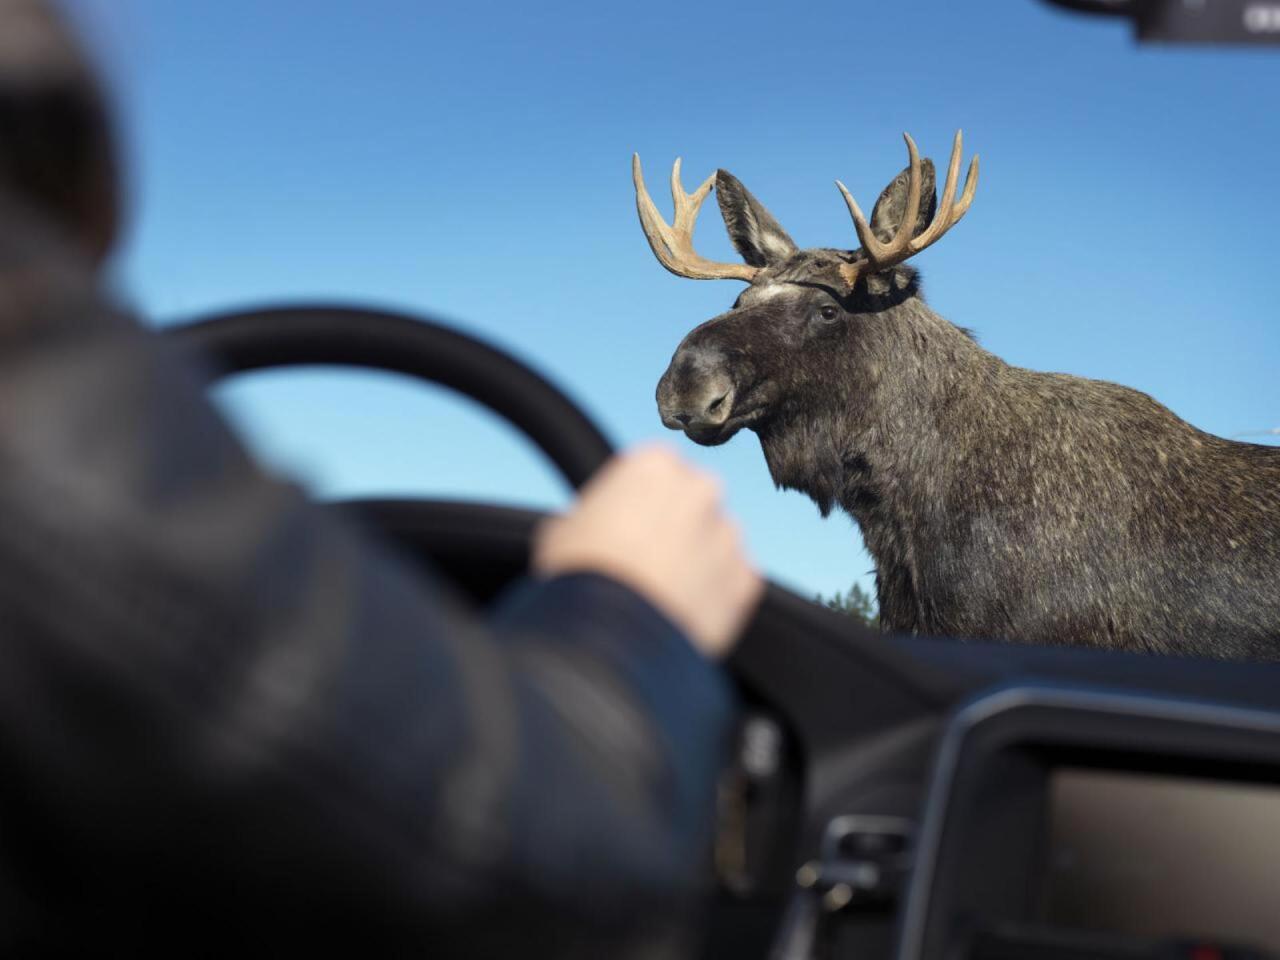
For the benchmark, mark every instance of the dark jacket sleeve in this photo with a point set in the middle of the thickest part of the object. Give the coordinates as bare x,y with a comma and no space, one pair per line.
219,703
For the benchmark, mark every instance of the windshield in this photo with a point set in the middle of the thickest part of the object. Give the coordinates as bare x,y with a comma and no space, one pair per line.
472,162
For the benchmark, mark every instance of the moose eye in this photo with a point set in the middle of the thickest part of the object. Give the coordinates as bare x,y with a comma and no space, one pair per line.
828,312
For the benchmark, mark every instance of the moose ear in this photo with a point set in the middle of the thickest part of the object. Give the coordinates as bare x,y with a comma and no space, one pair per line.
757,236
890,208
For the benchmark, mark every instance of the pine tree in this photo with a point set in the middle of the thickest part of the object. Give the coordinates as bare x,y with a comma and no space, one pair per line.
856,602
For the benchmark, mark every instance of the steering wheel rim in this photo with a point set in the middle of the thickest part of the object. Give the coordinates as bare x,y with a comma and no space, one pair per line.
238,341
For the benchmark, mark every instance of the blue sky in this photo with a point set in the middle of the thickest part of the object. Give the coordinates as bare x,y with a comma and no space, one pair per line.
472,161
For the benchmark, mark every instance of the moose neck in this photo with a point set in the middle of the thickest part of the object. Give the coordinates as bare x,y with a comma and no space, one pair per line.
889,432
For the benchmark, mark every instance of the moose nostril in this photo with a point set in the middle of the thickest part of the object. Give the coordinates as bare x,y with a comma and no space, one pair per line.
717,402
684,419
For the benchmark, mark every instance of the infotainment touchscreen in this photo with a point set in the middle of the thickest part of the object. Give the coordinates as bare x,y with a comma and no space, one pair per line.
1157,856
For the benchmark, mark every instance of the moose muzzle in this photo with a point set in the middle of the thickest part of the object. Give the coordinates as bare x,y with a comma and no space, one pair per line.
696,394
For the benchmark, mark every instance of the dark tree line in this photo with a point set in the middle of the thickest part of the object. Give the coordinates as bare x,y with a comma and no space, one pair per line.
855,602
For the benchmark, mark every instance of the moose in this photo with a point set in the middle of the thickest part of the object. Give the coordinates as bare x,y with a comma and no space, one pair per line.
997,502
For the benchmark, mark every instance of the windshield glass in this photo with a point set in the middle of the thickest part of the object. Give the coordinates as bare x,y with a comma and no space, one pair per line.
472,162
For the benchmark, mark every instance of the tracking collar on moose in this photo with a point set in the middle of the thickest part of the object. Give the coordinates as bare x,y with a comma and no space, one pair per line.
997,502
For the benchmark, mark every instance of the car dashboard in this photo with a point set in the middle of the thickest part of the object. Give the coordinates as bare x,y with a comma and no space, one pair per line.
912,798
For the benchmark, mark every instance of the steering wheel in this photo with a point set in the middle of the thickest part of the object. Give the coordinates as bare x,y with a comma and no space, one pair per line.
795,658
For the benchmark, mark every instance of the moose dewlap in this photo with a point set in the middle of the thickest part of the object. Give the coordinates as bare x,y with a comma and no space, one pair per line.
997,502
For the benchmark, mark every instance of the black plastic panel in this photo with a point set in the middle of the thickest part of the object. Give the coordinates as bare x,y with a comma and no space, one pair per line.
982,858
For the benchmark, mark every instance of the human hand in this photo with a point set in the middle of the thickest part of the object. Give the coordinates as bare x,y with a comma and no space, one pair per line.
656,524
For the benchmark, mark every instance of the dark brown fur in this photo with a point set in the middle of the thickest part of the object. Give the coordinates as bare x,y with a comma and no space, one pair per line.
997,502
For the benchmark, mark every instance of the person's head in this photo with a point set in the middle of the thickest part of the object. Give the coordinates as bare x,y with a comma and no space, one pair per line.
57,153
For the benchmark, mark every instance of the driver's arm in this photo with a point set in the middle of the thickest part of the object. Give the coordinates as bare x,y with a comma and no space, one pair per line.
216,696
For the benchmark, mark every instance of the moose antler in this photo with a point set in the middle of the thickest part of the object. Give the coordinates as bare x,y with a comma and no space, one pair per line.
879,256
673,245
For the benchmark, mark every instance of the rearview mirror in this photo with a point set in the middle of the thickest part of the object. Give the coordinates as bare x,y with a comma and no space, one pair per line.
1190,21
